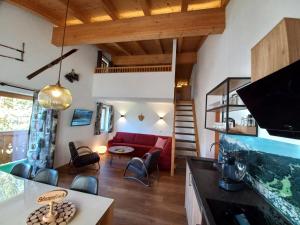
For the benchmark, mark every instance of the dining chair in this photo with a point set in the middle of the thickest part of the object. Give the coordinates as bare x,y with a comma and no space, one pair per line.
86,184
22,170
47,176
143,167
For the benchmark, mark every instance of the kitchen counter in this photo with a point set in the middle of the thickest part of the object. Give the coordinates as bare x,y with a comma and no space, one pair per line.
205,181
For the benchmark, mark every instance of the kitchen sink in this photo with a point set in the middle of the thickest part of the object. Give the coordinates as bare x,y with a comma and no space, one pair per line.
205,164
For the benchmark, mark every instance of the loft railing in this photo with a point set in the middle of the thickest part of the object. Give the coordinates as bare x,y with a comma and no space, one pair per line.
134,69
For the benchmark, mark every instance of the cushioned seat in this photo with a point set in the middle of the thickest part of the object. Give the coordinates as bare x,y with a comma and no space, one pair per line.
143,143
86,184
87,160
47,176
22,170
84,157
143,167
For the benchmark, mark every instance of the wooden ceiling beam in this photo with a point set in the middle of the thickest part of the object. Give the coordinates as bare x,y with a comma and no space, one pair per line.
38,9
146,7
172,25
140,47
179,44
224,3
107,49
121,48
74,11
184,5
110,9
201,42
159,45
155,59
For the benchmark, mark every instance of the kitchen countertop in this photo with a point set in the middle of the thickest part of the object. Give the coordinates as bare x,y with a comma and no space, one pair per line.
206,184
18,199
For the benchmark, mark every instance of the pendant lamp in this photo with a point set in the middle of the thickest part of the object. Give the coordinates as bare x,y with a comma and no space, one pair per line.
56,96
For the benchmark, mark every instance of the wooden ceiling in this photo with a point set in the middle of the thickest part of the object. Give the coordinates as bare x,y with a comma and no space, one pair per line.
129,28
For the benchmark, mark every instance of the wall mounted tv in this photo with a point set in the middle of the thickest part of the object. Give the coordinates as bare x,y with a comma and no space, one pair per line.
81,117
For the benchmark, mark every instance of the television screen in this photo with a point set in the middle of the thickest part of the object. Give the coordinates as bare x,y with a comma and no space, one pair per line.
81,117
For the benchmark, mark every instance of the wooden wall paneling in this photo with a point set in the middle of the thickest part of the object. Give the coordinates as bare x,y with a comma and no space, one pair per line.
196,23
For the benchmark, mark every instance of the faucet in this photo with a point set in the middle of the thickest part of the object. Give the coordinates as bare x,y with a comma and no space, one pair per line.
222,149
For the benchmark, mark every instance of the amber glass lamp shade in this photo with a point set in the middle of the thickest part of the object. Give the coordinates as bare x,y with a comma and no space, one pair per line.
55,97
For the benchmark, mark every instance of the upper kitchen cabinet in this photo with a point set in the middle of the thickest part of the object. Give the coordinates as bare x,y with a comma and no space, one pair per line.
277,49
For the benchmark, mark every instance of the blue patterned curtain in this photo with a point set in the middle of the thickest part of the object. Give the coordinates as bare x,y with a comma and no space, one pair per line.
97,128
42,135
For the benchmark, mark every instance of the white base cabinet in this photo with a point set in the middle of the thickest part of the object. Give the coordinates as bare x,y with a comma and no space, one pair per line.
193,210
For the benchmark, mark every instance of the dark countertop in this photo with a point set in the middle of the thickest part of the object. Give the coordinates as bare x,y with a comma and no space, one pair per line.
206,184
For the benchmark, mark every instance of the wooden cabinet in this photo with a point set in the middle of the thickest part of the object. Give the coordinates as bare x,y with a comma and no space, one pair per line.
193,211
277,49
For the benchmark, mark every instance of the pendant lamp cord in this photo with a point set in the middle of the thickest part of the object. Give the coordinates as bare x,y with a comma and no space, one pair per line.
63,43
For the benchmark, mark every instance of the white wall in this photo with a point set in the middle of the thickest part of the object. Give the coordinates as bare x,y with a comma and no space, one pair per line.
155,85
228,54
152,110
17,26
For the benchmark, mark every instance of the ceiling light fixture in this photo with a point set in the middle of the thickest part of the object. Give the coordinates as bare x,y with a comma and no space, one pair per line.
56,96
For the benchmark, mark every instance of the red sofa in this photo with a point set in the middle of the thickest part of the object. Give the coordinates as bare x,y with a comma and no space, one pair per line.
143,143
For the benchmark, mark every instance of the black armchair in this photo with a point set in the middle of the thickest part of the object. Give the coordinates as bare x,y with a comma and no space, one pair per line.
143,167
83,156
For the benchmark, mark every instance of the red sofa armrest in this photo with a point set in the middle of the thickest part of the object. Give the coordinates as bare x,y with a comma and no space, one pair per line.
165,155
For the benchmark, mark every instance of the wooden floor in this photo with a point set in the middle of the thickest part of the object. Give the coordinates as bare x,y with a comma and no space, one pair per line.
161,204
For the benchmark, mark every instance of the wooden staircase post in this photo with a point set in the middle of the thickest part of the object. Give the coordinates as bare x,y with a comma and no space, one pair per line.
196,129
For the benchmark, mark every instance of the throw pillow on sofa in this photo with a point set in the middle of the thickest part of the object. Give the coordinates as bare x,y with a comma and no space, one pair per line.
160,143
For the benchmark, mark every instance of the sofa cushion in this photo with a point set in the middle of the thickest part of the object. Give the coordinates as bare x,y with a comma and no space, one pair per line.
160,143
144,139
126,137
118,140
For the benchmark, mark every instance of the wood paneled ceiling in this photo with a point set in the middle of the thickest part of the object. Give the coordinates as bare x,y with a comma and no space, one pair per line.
108,23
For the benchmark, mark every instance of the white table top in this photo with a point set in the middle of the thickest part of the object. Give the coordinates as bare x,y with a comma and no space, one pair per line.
18,199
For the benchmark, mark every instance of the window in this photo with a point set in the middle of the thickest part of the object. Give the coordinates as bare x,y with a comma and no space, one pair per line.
105,119
15,114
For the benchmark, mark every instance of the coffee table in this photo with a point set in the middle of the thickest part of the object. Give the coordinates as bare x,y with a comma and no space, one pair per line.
120,151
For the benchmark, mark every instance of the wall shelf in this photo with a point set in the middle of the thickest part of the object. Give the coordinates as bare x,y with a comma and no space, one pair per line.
223,108
222,102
